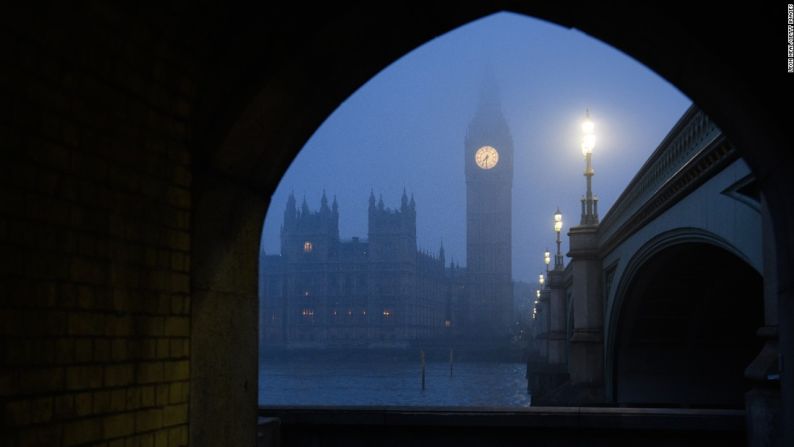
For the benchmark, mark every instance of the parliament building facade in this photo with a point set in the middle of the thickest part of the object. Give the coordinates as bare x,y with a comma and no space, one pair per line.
322,291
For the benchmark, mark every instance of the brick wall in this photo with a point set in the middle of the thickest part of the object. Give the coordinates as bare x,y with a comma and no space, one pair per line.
94,230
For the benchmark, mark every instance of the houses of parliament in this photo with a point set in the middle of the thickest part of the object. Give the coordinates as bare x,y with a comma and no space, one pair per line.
383,291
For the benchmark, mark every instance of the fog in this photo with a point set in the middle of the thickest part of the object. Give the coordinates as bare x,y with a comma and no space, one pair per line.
404,129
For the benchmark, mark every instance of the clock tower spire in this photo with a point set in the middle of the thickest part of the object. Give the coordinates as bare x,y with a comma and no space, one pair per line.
488,164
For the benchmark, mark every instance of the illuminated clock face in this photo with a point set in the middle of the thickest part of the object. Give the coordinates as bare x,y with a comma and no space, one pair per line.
486,157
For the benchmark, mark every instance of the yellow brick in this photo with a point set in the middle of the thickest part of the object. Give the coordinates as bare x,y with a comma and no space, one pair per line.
39,435
147,420
177,436
81,377
18,412
179,197
118,325
101,350
41,410
118,400
64,350
83,404
84,323
161,395
180,282
83,350
118,425
82,431
102,401
177,326
177,370
150,372
175,414
119,375
85,297
163,347
118,350
64,407
180,347
133,400
178,392
161,438
147,440
84,270
147,396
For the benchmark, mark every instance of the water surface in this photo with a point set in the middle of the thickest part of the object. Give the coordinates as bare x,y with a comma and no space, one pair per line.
392,383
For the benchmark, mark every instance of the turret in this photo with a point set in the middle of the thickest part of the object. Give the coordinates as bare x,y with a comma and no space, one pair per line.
324,205
304,207
290,211
310,236
392,232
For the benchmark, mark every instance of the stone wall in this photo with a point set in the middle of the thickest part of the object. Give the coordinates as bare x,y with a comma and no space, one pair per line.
95,228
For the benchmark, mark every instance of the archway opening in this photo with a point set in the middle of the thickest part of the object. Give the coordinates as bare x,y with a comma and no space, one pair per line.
454,273
687,329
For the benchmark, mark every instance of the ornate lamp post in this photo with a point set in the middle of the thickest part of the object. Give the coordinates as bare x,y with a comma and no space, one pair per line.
589,203
585,345
557,229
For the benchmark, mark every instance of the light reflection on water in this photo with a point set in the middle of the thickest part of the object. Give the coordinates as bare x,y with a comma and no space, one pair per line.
392,383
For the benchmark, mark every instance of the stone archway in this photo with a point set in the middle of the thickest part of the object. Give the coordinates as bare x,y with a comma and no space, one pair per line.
109,107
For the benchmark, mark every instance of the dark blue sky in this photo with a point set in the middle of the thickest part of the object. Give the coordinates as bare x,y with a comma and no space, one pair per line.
405,128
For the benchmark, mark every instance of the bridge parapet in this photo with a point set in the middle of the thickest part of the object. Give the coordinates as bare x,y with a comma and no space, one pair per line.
690,136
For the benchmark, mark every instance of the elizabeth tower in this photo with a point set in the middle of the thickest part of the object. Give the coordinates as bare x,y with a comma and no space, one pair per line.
488,151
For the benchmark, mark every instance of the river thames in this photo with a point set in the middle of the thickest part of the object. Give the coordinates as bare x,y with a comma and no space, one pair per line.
392,383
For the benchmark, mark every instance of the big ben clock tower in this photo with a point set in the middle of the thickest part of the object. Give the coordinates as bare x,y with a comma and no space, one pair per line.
488,153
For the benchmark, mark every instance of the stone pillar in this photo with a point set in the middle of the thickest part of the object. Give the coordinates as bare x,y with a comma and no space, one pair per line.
550,372
762,402
543,329
556,333
224,314
586,360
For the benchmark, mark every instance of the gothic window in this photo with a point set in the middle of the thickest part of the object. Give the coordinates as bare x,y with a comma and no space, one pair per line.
308,247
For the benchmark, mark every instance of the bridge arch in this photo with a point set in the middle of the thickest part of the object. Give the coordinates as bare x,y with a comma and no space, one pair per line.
686,308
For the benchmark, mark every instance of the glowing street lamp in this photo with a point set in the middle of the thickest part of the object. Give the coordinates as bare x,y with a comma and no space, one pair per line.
541,280
557,229
589,204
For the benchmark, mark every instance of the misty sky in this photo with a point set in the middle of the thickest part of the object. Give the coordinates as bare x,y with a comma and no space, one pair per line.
405,129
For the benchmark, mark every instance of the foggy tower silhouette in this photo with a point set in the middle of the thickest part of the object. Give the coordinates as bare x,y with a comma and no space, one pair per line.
488,220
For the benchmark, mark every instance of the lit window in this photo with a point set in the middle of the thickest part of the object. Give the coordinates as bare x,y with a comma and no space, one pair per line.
307,312
386,313
308,247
